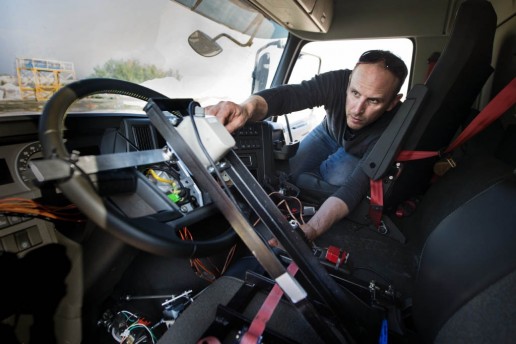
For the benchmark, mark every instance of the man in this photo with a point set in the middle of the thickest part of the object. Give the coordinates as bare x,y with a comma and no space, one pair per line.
359,105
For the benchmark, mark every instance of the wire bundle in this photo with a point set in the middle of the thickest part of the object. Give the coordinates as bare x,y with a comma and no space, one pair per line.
135,323
28,207
171,182
201,269
284,201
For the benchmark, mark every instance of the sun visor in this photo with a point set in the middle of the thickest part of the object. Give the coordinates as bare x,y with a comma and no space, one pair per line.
302,15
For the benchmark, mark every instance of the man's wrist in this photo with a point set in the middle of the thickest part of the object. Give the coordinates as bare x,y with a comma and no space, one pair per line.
256,108
310,231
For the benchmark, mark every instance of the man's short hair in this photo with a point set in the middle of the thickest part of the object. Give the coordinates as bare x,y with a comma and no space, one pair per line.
391,62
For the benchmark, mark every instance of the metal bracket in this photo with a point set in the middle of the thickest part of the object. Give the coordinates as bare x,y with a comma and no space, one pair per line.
47,170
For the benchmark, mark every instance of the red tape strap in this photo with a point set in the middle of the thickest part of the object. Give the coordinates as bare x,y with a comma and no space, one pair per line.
265,312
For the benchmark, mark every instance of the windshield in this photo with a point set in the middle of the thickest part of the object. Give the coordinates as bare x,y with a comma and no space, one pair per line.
47,44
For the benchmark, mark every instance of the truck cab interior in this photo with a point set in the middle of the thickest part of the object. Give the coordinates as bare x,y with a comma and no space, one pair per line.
127,216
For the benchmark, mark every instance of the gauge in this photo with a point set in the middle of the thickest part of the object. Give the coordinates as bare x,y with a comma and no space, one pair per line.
29,152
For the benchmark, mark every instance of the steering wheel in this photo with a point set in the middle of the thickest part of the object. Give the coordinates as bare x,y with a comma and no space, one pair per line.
153,233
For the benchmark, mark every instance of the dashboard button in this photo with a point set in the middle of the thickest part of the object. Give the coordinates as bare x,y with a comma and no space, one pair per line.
34,235
14,219
9,243
3,221
22,240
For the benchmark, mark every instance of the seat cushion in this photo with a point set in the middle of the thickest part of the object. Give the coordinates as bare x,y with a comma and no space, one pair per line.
469,251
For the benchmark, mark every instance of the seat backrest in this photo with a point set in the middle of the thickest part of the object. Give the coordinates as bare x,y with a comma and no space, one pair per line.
466,283
457,77
442,103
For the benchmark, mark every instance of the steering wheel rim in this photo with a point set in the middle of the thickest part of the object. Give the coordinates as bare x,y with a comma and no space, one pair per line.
145,233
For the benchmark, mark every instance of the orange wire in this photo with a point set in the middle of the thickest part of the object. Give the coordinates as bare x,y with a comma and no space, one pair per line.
301,218
200,268
30,207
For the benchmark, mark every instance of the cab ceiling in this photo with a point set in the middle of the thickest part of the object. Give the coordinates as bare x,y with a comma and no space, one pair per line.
392,18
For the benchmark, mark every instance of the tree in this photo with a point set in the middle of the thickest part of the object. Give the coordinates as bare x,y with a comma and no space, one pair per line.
133,71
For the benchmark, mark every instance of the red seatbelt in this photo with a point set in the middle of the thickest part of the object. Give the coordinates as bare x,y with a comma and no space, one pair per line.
376,202
265,312
496,107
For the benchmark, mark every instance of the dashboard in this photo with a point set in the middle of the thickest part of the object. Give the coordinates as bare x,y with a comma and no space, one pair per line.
91,134
16,176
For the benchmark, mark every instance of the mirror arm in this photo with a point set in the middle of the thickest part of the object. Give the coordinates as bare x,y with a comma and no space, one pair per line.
248,44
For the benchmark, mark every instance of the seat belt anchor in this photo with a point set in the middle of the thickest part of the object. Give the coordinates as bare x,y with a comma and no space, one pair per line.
382,228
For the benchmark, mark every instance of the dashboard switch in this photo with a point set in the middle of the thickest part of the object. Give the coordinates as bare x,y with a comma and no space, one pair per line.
3,221
22,240
9,244
34,235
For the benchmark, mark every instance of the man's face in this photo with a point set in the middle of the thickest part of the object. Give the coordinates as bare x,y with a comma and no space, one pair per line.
370,93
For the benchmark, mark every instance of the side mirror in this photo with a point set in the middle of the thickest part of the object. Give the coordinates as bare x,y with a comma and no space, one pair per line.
261,73
206,46
203,44
262,65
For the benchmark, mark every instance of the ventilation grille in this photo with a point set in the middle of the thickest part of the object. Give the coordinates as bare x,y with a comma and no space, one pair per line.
143,137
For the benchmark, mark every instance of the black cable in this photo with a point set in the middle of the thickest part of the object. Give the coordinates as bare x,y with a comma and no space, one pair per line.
81,171
170,170
287,123
127,140
385,279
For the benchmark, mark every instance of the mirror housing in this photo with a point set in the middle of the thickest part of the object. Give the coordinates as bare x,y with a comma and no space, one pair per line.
203,44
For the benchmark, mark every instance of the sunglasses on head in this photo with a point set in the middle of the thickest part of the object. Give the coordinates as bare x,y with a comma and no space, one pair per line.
392,62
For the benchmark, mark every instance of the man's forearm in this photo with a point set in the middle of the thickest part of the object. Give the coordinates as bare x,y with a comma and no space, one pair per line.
331,211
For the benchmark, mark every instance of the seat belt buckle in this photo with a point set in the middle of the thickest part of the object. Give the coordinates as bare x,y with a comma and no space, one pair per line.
444,165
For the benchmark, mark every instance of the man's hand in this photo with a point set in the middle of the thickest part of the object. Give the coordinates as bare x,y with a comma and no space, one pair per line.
232,116
331,211
309,231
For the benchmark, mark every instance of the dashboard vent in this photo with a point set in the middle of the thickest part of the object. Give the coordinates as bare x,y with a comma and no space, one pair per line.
144,137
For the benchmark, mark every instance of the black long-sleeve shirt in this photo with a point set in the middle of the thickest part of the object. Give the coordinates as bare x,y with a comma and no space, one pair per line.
329,90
